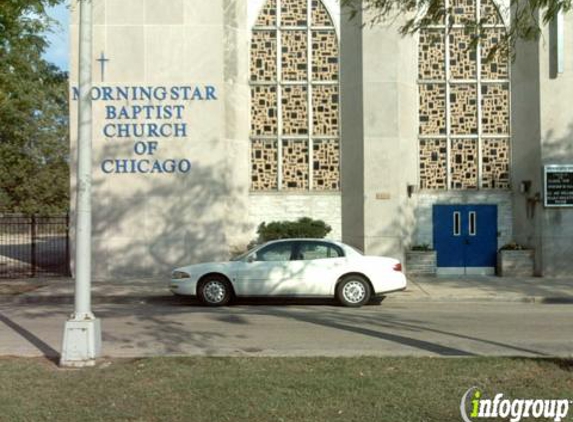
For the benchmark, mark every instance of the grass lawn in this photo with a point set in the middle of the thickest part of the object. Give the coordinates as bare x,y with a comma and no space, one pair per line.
269,389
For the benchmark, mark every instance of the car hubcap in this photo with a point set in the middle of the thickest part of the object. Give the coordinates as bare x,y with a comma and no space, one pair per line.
214,291
354,291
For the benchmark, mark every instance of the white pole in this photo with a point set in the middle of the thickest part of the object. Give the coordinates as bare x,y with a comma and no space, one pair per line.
560,43
84,177
82,333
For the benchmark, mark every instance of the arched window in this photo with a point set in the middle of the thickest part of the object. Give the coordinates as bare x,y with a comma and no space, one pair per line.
295,122
464,102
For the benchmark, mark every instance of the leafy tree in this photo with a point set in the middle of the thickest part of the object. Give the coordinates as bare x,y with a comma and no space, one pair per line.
33,113
527,17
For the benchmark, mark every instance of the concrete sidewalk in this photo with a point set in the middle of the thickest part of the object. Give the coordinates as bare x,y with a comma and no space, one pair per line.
482,288
420,289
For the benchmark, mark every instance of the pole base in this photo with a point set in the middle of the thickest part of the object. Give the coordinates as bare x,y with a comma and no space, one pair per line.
82,343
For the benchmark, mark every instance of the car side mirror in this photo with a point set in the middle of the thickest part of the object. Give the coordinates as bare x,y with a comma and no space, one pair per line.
252,258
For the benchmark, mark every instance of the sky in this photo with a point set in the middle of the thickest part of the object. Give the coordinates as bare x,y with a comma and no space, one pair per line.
58,51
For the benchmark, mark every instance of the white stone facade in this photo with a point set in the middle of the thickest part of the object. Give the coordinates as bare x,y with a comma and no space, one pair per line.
146,224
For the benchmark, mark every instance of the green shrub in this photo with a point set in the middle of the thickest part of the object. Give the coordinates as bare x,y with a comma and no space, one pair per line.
302,228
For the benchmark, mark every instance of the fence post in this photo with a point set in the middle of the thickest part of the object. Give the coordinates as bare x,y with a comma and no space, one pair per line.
33,235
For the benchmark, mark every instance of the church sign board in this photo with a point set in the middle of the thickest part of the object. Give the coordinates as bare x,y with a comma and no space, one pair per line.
558,184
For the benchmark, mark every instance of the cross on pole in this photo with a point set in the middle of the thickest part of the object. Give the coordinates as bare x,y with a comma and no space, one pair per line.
102,62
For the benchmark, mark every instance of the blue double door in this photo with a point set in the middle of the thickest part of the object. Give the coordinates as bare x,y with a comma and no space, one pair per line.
465,236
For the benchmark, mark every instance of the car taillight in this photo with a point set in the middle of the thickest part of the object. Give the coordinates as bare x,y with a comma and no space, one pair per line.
398,267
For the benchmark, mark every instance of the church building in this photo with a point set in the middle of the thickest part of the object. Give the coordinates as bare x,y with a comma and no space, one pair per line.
211,117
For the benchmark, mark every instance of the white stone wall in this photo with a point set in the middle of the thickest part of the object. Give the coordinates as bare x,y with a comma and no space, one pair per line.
379,97
147,224
423,233
554,227
269,207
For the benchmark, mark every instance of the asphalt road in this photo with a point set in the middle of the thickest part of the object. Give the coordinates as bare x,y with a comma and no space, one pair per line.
301,329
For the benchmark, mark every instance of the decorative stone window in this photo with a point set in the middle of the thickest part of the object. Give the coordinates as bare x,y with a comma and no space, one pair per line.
295,113
464,133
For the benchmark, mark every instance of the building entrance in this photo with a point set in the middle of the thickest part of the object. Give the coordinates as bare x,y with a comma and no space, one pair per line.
465,238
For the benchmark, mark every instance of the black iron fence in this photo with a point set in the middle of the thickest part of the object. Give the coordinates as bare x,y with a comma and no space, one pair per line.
34,246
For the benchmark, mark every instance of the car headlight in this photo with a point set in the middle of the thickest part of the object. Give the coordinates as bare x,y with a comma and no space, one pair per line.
179,275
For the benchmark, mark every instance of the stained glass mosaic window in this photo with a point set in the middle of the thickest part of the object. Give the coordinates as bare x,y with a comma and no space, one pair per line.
464,101
295,113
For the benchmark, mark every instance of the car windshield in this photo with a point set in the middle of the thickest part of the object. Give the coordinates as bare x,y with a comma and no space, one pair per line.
244,255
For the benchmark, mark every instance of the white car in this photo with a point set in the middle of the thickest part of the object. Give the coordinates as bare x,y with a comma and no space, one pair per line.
294,268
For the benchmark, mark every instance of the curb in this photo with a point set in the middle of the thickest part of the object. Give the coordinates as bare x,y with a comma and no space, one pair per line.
98,300
542,300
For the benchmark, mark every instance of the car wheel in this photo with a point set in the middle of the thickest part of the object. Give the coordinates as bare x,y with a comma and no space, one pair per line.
353,291
215,291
